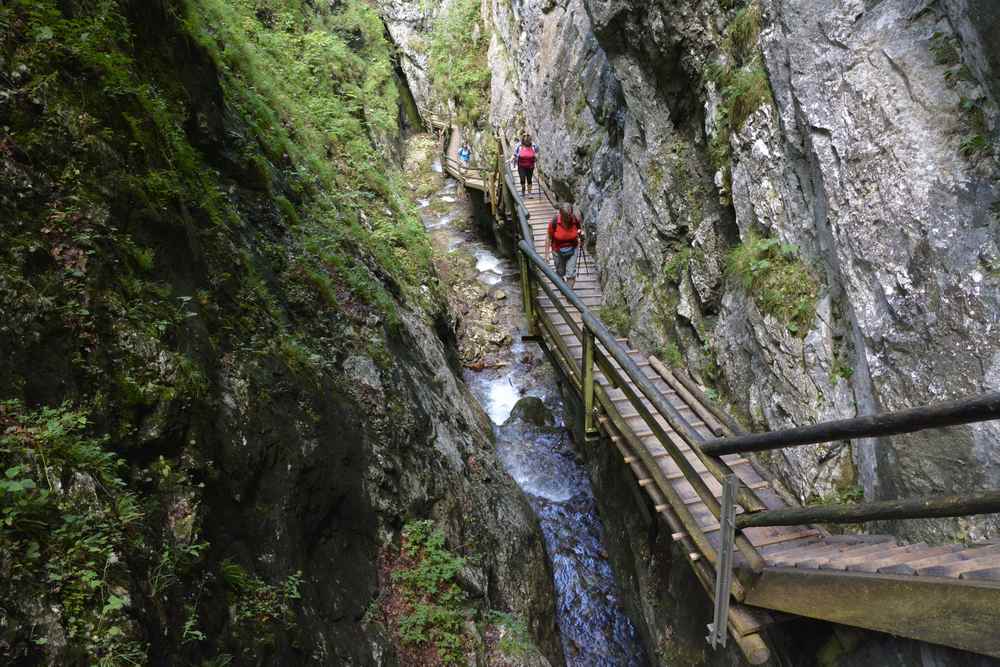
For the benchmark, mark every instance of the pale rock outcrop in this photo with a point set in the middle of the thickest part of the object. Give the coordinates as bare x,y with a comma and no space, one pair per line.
858,163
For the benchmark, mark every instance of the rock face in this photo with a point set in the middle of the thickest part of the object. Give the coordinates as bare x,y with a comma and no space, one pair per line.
860,164
408,23
264,407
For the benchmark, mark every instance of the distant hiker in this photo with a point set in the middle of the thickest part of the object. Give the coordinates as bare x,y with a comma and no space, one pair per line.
564,238
525,156
465,154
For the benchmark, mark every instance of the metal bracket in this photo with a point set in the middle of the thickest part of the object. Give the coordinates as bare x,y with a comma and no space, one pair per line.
717,630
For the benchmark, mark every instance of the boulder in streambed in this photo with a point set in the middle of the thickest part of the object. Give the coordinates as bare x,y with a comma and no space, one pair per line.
531,410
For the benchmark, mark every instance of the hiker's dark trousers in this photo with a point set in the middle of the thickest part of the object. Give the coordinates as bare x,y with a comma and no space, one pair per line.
526,175
566,263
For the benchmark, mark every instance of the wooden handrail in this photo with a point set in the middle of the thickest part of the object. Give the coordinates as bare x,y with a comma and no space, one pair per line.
914,508
656,399
660,404
985,407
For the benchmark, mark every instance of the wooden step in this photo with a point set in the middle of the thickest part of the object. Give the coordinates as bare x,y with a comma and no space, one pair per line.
830,545
811,551
902,555
988,574
849,562
913,566
768,551
821,562
982,558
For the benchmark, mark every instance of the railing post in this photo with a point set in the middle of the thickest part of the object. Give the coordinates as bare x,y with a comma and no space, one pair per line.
724,566
588,382
527,295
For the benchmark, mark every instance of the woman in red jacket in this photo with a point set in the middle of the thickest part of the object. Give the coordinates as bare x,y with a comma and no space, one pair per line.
525,156
564,238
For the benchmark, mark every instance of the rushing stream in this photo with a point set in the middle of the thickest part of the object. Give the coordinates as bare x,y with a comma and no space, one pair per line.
538,452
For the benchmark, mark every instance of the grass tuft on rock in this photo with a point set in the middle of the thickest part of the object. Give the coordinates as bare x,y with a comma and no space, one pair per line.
779,283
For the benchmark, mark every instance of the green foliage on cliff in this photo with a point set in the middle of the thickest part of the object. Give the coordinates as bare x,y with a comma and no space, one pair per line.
777,280
194,191
66,521
741,80
459,70
436,605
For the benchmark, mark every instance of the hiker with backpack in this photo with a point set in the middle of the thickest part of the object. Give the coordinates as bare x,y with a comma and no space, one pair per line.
525,156
564,239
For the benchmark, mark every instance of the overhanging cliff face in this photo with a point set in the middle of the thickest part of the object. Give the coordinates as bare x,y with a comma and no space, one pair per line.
242,398
858,162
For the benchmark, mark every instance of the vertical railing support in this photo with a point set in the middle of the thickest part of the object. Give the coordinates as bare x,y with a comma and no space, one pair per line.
588,383
724,566
527,295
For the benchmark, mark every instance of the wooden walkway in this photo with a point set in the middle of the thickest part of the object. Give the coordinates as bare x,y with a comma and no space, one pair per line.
942,594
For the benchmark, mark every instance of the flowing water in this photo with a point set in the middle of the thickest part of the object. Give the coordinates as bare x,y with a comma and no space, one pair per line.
540,455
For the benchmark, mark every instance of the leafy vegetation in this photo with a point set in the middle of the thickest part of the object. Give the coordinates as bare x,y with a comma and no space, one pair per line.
672,355
945,49
741,81
66,523
258,608
515,641
678,264
436,611
457,56
771,272
333,135
195,189
841,371
616,317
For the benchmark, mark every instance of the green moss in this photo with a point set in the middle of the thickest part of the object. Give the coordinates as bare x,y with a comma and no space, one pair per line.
678,264
672,355
616,317
945,49
742,83
778,282
206,165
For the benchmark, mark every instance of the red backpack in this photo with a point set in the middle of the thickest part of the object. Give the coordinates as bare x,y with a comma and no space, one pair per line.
526,157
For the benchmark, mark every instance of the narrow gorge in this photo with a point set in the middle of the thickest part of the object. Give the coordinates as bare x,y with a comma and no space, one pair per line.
272,389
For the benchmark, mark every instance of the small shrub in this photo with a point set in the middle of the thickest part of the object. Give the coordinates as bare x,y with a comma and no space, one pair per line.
677,264
776,279
65,522
616,318
974,145
516,641
436,605
945,49
742,34
260,609
958,74
747,90
672,355
840,371
847,495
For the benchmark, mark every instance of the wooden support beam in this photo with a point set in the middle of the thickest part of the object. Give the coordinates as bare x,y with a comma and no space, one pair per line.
967,411
987,502
958,613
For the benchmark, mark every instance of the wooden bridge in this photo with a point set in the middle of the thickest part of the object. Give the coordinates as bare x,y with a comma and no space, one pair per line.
682,448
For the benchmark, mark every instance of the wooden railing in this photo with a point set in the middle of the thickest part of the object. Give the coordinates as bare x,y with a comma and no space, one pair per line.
600,347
